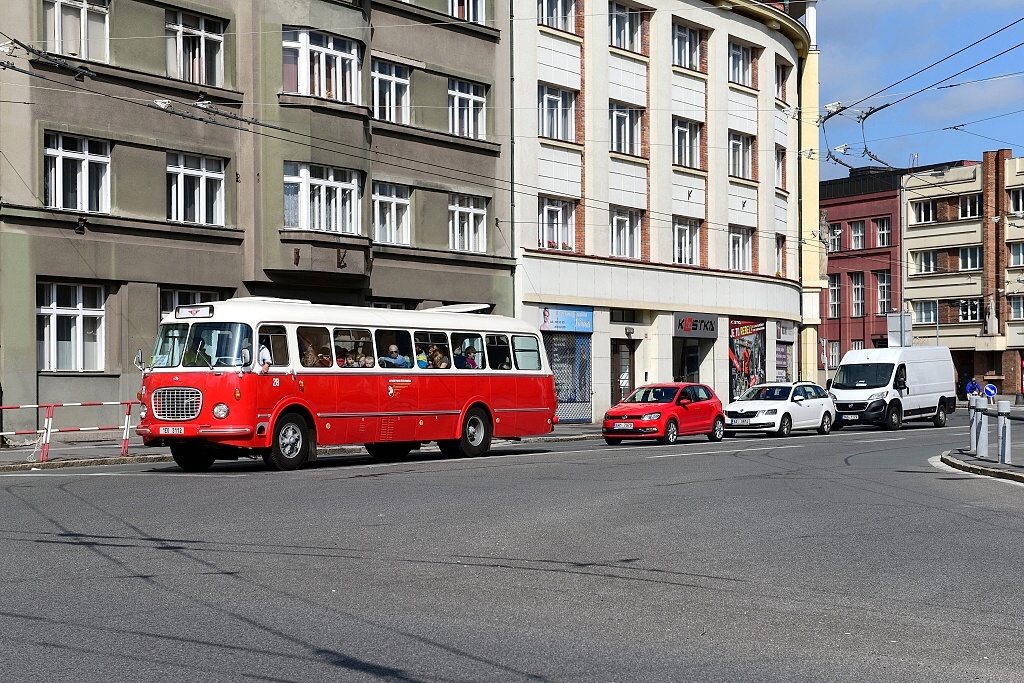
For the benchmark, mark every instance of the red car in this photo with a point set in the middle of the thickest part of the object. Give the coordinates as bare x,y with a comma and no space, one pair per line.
665,412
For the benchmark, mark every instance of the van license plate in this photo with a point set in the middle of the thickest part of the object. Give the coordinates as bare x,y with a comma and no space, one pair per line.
622,425
172,430
851,418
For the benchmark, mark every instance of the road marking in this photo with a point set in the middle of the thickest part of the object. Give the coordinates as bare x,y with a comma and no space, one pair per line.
878,440
936,462
744,450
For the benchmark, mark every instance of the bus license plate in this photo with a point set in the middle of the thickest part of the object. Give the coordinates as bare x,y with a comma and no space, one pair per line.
741,422
172,430
622,425
850,417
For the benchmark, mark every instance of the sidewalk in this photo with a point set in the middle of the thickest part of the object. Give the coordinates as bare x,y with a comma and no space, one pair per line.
963,459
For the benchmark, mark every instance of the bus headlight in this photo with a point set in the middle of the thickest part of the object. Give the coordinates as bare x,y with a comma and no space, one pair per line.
220,411
143,411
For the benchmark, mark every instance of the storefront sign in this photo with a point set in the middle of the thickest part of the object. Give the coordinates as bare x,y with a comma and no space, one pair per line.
567,319
695,325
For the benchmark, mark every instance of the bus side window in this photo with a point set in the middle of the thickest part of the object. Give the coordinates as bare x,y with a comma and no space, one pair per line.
402,356
527,352
315,347
275,339
498,352
469,351
353,348
432,350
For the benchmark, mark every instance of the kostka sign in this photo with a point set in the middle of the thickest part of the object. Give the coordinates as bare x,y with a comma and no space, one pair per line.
696,325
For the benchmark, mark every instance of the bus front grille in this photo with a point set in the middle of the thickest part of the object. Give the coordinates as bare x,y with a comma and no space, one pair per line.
177,403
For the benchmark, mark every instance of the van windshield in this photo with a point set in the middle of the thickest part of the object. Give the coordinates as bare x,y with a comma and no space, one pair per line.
863,376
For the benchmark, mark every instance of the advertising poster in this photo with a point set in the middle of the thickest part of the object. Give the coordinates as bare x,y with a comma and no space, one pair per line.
746,355
578,319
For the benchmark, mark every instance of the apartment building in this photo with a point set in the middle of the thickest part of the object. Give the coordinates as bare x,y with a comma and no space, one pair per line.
663,204
165,153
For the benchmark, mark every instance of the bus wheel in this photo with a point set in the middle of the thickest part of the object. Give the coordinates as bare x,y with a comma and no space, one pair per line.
291,442
192,458
476,433
386,452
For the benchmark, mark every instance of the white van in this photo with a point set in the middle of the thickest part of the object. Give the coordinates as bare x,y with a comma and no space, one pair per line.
887,386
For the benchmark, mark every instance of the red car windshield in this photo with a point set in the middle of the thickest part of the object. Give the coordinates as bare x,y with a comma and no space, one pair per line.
653,395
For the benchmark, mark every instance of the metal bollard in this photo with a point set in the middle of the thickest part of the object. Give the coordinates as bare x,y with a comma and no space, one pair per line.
972,413
1004,432
982,430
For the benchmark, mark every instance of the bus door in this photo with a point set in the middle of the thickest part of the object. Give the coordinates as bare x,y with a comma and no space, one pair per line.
274,380
438,404
397,387
504,396
535,391
356,418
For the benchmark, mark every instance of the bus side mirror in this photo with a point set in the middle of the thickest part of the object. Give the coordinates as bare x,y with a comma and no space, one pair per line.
139,362
246,359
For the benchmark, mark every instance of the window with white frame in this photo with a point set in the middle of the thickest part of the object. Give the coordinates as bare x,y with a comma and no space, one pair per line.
625,128
1016,254
320,65
686,242
835,236
856,234
1017,307
172,298
390,84
557,224
686,142
925,262
833,354
468,10
624,26
625,233
467,223
195,189
69,327
390,213
780,255
195,48
970,258
321,198
780,167
857,344
970,205
686,46
970,310
76,173
834,295
923,211
883,286
467,106
77,28
741,248
883,232
857,292
555,113
740,154
926,311
557,14
1017,200
741,58
781,72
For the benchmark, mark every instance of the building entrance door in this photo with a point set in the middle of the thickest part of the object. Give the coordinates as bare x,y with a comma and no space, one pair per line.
623,368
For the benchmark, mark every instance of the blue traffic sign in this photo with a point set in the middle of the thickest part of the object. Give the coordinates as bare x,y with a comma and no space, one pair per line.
990,390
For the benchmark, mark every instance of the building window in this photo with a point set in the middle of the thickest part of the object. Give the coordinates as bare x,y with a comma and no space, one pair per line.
970,206
883,232
1016,200
1017,254
624,24
172,298
857,287
834,296
390,213
320,65
740,155
321,198
835,236
76,173
780,255
1017,307
923,212
740,249
925,261
468,10
883,282
467,104
741,59
926,311
77,28
555,113
195,189
556,14
467,223
625,229
857,344
390,91
970,310
686,139
686,242
833,354
857,234
970,258
686,47
625,127
195,48
780,167
781,72
557,224
69,327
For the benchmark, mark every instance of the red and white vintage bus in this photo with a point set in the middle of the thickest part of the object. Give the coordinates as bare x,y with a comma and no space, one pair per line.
266,377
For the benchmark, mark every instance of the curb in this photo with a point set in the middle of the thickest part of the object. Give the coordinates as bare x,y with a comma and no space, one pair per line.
948,459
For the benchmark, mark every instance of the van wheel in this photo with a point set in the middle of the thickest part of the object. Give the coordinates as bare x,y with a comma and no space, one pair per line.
940,415
893,418
717,430
291,442
785,425
192,458
671,434
826,424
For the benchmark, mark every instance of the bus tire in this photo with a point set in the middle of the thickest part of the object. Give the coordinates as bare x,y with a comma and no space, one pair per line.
449,449
192,458
389,452
476,433
291,442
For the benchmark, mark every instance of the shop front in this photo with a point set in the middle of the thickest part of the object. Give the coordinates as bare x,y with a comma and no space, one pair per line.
693,338
747,350
568,333
785,338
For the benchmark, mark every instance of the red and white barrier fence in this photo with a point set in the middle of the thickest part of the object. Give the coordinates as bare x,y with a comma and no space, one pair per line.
48,429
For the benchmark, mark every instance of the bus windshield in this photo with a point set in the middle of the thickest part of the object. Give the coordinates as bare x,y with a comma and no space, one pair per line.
205,345
170,344
863,376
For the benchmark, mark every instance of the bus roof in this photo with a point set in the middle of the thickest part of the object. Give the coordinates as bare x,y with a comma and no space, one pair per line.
258,309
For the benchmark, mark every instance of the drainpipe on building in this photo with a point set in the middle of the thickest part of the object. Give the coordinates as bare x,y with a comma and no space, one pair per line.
516,304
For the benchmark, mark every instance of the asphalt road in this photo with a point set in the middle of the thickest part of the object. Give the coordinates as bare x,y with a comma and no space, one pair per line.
851,557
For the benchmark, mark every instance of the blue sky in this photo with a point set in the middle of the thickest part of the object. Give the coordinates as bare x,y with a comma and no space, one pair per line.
867,45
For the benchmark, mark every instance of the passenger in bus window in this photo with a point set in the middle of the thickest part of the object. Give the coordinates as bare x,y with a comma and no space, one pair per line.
342,355
470,358
438,360
394,359
308,353
323,357
421,357
263,357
